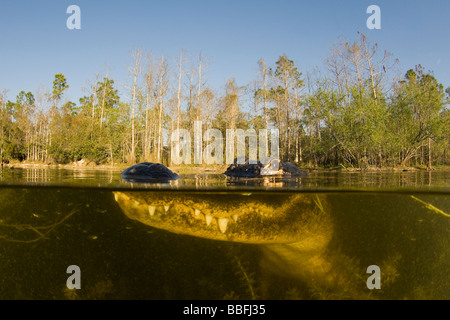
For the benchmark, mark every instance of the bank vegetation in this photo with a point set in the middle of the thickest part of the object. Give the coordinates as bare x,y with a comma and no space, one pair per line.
356,111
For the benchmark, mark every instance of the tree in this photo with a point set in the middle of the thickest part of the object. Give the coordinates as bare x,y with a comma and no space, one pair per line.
290,77
358,121
16,119
161,90
4,124
135,71
59,86
230,104
179,93
373,68
67,137
95,117
417,104
263,94
149,86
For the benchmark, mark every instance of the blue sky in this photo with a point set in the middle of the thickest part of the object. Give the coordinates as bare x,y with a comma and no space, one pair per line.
35,43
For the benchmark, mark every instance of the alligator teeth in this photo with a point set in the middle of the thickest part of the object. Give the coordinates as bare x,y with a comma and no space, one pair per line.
116,196
208,219
151,210
166,208
235,217
197,212
136,203
223,222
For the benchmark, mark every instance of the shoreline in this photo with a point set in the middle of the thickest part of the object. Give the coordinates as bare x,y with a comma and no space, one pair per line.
215,168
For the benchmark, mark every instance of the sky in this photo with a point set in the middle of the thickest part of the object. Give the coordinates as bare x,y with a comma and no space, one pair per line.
231,35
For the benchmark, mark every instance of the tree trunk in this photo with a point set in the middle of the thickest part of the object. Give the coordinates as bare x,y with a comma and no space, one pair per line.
429,154
136,71
288,128
161,92
111,153
199,87
103,104
179,93
149,79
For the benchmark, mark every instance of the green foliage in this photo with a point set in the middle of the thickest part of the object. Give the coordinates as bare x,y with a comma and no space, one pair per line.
417,112
351,118
59,85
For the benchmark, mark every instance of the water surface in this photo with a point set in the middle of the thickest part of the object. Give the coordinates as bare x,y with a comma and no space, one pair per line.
339,180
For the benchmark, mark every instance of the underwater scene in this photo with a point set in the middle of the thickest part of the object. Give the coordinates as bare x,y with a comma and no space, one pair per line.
68,234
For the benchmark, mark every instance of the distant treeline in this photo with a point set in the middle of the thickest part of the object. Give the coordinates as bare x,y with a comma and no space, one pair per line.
353,112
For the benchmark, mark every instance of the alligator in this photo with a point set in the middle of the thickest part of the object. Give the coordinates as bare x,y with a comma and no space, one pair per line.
243,167
148,172
293,230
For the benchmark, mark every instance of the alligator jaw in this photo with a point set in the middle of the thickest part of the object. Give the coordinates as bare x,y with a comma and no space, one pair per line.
236,217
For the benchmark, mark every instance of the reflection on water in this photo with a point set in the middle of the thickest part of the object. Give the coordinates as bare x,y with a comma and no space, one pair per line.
210,238
315,179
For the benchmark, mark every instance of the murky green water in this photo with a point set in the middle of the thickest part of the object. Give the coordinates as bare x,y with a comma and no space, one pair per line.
312,238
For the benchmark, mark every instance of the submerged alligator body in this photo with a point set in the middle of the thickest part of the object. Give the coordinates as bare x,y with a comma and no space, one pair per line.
293,231
244,168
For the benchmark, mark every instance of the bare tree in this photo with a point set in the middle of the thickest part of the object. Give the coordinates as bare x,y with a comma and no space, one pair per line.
355,56
161,88
264,72
374,68
180,75
199,87
289,76
149,93
209,101
231,103
2,122
135,70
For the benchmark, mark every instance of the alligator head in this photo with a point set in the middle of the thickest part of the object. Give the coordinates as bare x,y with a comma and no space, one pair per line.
148,172
232,216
